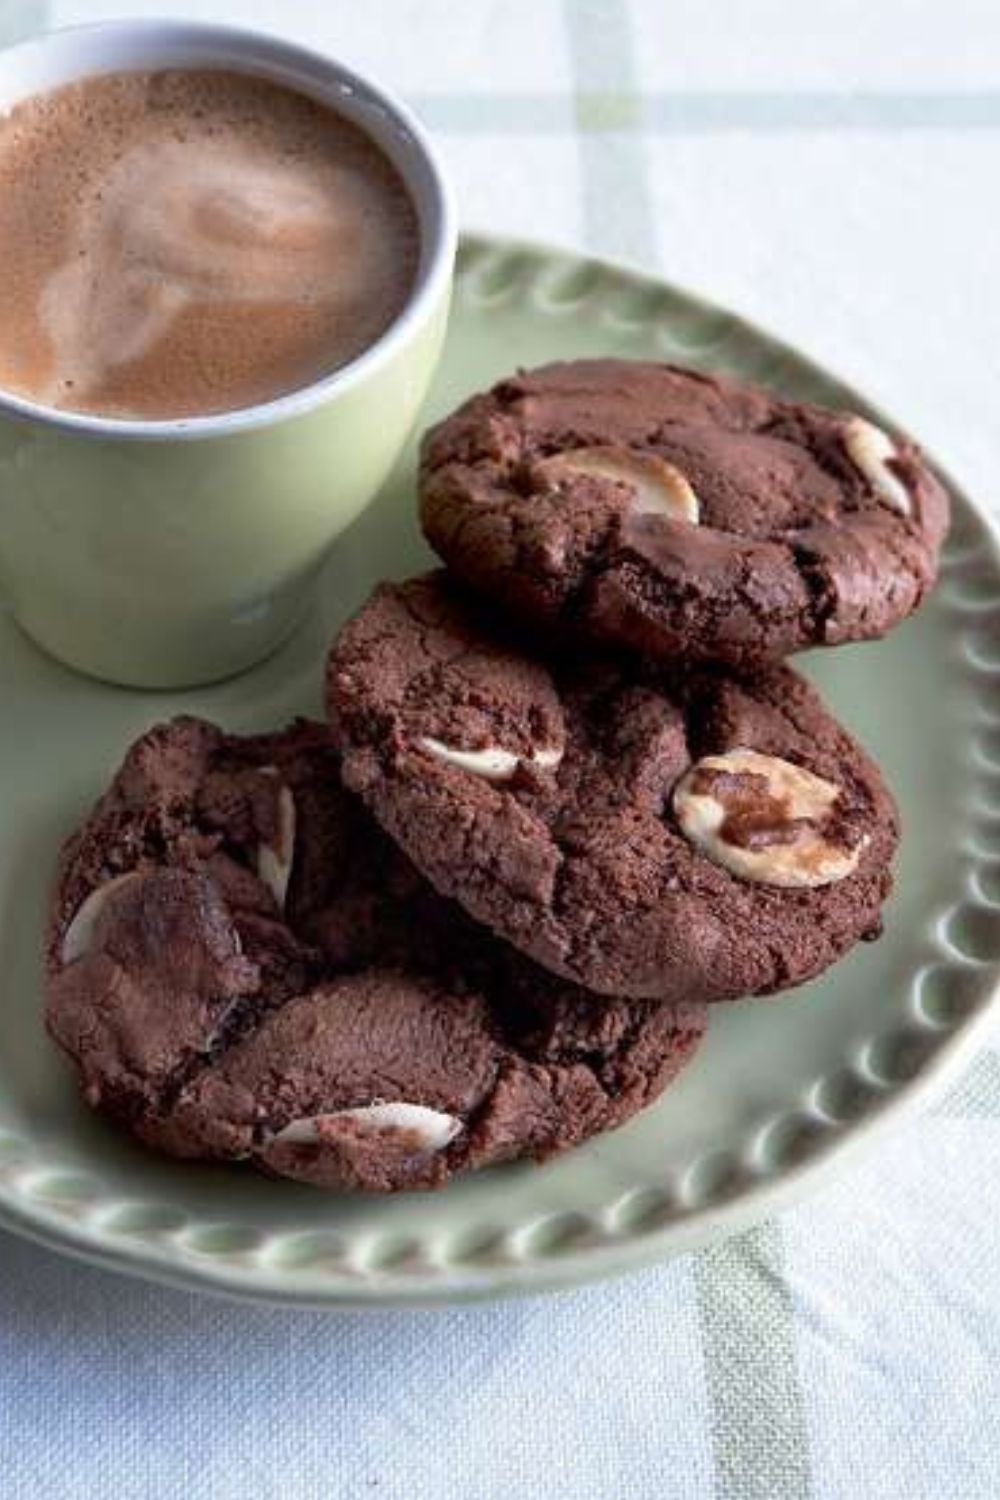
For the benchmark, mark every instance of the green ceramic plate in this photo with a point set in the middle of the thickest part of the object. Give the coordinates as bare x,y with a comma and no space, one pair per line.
781,1092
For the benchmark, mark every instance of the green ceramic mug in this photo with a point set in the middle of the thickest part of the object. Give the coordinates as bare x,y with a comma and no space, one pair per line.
169,553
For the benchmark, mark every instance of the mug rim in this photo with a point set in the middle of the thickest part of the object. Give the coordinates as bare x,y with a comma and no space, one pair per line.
434,203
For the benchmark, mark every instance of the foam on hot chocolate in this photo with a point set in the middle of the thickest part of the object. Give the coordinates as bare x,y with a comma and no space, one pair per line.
178,243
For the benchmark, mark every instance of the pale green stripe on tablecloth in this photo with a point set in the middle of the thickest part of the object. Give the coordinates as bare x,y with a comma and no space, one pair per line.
820,109
617,206
758,1430
597,110
20,18
759,1433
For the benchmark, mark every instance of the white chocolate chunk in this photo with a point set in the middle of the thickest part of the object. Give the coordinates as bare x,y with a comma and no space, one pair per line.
491,762
274,862
869,449
789,793
79,935
659,488
428,1129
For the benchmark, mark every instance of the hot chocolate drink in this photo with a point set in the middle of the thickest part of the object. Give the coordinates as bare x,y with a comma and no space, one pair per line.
179,243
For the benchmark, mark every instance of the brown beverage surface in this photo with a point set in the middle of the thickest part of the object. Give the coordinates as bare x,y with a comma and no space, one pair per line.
179,243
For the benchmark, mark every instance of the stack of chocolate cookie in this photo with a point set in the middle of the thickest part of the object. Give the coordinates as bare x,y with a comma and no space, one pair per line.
566,797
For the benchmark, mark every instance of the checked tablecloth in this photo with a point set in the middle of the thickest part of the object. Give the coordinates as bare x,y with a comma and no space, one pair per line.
831,169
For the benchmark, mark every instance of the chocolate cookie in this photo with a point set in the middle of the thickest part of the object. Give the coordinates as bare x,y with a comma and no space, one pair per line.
242,966
695,836
674,513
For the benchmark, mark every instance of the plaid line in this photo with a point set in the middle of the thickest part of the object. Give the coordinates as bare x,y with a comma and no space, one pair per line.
822,110
758,1424
756,1408
601,110
19,18
617,209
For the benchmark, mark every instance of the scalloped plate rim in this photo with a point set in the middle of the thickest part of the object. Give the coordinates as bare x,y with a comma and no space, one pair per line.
631,1249
501,1281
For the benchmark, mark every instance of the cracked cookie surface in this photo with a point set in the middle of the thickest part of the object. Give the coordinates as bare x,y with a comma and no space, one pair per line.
242,966
671,512
569,843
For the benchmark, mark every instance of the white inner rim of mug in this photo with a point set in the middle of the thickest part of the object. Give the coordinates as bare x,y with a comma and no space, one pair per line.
47,62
